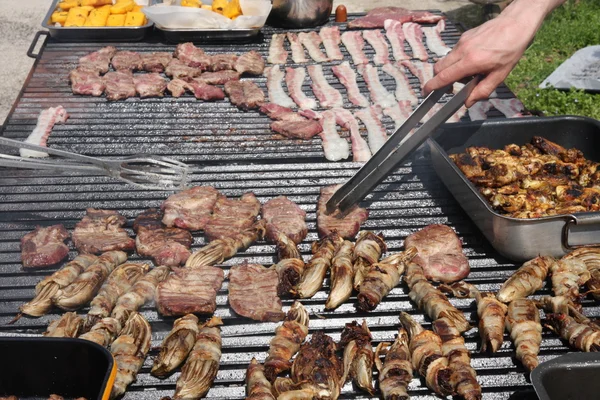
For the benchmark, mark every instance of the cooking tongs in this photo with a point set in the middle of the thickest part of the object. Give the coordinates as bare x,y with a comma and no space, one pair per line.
398,147
146,171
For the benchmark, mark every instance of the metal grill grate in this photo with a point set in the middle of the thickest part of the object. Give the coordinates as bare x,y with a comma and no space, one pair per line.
408,200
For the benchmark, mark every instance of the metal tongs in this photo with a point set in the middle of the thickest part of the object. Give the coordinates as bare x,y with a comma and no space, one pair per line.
398,147
146,171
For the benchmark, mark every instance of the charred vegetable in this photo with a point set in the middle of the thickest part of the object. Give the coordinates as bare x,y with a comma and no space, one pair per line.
176,346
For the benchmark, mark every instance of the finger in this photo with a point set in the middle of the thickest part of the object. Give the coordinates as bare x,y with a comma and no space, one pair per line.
485,87
450,75
449,59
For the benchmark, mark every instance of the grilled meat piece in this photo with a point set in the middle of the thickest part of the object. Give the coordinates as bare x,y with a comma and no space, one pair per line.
231,216
439,253
284,216
257,386
250,63
68,325
396,372
288,338
297,129
342,276
103,332
156,62
204,91
86,82
567,276
44,246
177,70
358,355
581,336
222,62
526,280
246,95
192,56
253,292
367,251
150,85
127,61
98,61
280,113
219,78
167,246
100,231
188,291
119,85
346,227
523,324
176,346
190,209
177,87
591,257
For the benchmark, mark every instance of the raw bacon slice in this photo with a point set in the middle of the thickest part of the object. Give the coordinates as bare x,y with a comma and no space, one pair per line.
86,82
283,216
190,209
354,44
328,96
44,246
511,108
253,292
331,41
395,34
399,112
277,53
294,78
40,134
230,216
422,70
298,55
100,231
376,134
403,89
414,37
347,77
275,88
379,94
312,41
360,148
335,147
478,111
434,40
250,63
304,129
119,85
378,43
454,118
377,16
348,226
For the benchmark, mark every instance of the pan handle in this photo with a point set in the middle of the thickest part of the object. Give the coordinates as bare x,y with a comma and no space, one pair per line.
581,219
34,43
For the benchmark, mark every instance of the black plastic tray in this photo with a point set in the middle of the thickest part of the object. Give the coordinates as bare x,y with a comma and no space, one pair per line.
572,376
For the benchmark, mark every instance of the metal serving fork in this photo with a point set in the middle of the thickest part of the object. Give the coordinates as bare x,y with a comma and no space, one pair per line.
145,171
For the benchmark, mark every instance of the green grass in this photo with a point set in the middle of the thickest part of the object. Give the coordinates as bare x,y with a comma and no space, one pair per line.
571,27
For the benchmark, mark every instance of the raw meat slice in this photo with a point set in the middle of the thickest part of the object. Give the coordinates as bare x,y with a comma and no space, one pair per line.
298,55
331,41
297,129
275,87
219,78
378,43
454,118
328,96
250,63
335,147
192,56
294,78
283,216
40,134
279,113
347,77
222,62
395,34
376,134
244,94
150,85
399,112
422,70
277,53
511,108
86,82
119,85
348,226
100,231
377,16
312,42
156,62
379,94
230,216
414,37
44,246
204,91
403,89
190,209
177,69
127,61
354,44
434,40
360,148
478,111
98,61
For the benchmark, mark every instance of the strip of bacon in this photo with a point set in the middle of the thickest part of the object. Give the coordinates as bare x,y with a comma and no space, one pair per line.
328,96
414,37
312,42
378,43
399,112
434,40
422,70
379,94
403,89
294,78
298,55
274,86
41,132
360,148
376,134
277,53
478,111
395,34
331,42
347,77
511,108
335,147
454,118
354,43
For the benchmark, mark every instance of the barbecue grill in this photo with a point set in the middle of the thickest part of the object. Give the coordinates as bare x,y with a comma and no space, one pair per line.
235,152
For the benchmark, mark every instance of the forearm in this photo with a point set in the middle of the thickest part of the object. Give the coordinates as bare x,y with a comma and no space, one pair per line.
531,12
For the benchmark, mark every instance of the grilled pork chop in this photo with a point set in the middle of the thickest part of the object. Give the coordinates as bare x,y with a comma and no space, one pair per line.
203,91
127,61
297,129
244,94
100,231
177,87
222,62
86,82
150,85
177,69
44,246
156,62
284,216
348,226
230,216
220,77
119,85
190,209
250,63
192,56
98,60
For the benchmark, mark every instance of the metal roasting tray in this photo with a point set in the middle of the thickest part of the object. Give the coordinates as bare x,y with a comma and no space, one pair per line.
235,152
519,239
95,34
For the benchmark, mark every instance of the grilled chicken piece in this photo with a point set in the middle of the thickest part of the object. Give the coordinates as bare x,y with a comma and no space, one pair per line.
580,336
396,372
369,247
342,276
523,324
314,273
103,332
257,386
358,355
68,325
526,280
176,346
591,257
427,358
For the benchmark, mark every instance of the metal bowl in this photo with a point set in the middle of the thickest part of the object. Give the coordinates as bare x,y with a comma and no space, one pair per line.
300,13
